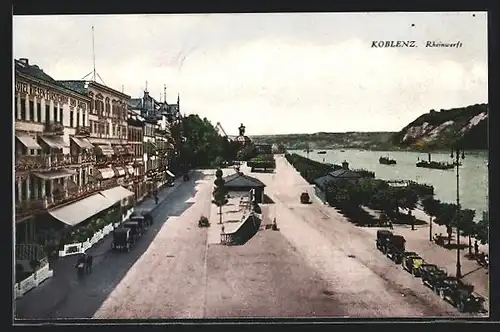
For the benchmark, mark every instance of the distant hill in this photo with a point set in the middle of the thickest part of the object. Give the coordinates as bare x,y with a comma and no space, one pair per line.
440,130
355,140
431,131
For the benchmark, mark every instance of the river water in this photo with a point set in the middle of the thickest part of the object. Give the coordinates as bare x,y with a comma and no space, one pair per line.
473,172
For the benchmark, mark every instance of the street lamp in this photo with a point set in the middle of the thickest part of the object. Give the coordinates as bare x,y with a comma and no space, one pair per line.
458,153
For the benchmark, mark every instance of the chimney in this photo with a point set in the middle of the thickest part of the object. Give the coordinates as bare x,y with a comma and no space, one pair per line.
345,165
24,61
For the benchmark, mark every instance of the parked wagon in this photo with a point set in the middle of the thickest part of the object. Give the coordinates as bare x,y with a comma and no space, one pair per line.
141,221
395,248
461,295
135,230
122,239
411,262
383,237
432,276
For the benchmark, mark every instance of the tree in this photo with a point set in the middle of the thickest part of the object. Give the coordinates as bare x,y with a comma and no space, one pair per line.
407,199
220,192
466,224
447,212
482,229
247,153
431,208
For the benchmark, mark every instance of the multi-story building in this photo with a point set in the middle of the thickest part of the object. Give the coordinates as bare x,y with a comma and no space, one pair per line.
53,159
108,133
159,147
135,140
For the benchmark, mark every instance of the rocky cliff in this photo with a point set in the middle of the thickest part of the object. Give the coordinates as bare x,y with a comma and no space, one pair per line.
441,129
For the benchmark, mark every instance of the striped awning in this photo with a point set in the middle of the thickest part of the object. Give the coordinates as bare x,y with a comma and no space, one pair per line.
105,173
119,171
105,150
28,141
62,173
77,212
83,143
55,142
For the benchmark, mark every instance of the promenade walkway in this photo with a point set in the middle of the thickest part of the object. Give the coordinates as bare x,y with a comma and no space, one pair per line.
55,290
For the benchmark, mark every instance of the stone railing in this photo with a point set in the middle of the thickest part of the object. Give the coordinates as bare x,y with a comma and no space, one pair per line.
34,280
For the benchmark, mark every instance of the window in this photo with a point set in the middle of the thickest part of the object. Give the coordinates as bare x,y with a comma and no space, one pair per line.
108,109
94,110
32,152
55,114
31,106
71,115
83,119
16,109
39,112
77,119
107,129
23,109
47,113
61,115
23,190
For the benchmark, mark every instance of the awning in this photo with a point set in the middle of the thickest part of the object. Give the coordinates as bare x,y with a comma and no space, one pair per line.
105,173
28,141
129,149
77,212
62,173
55,142
116,194
170,173
130,169
105,150
118,149
82,143
119,171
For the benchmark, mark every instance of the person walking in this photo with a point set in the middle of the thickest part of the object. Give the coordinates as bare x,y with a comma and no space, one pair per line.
89,263
156,199
476,248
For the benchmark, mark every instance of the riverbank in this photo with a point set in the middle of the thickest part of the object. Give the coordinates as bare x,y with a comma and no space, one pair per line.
473,172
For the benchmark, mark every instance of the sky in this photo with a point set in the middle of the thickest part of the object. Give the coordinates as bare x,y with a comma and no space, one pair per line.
276,73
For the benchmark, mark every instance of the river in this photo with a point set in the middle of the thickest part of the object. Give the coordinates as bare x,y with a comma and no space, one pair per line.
473,172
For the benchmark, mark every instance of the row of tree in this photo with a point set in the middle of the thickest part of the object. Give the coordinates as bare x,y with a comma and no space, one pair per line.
350,195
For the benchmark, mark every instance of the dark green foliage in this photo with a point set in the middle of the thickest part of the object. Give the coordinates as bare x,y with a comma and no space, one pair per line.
309,169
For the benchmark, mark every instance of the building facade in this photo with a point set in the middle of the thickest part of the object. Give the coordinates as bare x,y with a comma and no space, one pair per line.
135,140
108,134
53,159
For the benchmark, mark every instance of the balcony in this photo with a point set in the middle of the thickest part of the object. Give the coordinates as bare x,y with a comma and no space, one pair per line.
30,207
53,128
25,163
82,131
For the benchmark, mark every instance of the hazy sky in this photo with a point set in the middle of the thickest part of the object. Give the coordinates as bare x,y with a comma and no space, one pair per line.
276,73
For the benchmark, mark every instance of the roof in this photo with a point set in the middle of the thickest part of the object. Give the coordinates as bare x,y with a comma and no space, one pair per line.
321,182
241,180
135,102
34,71
344,174
78,86
82,85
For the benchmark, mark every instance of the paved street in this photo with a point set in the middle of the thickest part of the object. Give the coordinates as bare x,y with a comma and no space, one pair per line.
64,296
317,264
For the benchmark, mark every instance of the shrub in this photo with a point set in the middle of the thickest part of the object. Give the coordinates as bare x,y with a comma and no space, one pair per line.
203,222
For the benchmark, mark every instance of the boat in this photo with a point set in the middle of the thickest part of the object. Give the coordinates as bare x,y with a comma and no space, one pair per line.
386,161
435,164
321,152
342,150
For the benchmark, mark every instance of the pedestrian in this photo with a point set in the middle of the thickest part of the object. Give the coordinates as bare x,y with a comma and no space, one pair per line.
89,264
476,248
391,226
156,199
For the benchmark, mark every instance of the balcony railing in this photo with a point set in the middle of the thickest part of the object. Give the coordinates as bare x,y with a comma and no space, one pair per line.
82,131
32,206
50,161
54,128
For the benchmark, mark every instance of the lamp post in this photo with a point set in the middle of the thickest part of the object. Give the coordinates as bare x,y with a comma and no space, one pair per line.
458,153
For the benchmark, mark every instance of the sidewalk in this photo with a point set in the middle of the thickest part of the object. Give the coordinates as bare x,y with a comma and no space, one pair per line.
64,280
